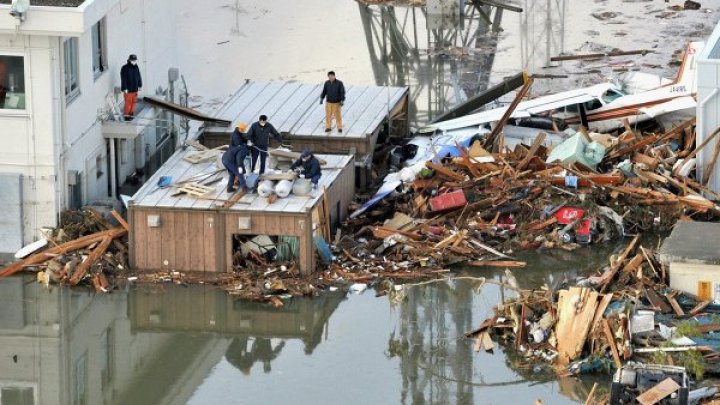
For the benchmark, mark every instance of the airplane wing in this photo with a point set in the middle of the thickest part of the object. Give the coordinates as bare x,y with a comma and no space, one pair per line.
524,109
676,104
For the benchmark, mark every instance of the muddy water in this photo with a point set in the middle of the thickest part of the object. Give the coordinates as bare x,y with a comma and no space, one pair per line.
168,344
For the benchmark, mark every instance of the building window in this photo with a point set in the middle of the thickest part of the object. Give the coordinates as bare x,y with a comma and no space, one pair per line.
98,166
79,378
70,58
106,358
17,396
12,82
98,48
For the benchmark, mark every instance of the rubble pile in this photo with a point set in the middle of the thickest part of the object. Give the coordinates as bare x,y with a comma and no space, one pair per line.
626,313
476,208
85,248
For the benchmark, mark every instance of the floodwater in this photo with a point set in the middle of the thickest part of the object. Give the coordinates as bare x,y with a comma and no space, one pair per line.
176,344
172,344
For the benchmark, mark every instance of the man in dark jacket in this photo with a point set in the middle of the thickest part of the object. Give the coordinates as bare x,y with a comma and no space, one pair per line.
130,84
259,136
238,139
335,92
310,167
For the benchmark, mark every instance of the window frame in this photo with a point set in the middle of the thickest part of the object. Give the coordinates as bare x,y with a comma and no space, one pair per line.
73,93
101,49
17,111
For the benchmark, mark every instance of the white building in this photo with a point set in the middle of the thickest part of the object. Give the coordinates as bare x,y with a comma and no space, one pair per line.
60,69
708,110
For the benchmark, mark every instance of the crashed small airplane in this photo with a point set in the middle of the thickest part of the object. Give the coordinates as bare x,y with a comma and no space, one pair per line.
601,107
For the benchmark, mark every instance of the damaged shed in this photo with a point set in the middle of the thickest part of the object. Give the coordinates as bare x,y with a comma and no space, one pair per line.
692,254
203,233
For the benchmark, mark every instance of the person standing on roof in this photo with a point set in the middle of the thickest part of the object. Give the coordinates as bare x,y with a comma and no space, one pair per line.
310,167
334,90
130,84
234,157
259,136
239,140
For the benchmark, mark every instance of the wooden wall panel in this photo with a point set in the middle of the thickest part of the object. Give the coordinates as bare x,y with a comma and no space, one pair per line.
209,230
182,241
196,239
168,240
140,239
154,238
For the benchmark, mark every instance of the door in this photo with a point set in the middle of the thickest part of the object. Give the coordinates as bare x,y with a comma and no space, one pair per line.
704,290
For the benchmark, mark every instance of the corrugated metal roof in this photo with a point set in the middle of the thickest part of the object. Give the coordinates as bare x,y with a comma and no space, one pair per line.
294,108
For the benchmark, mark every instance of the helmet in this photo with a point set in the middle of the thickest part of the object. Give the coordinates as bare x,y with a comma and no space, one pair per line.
241,126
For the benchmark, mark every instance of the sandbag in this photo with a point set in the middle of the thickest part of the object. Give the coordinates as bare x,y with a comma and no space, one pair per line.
266,188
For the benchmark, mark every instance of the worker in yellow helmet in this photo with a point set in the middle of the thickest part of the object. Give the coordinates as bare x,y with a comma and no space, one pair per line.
234,158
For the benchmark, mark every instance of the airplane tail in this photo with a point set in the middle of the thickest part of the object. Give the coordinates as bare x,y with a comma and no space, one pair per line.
687,75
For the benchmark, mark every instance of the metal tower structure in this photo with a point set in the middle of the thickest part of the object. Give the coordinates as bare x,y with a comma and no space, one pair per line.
542,32
443,58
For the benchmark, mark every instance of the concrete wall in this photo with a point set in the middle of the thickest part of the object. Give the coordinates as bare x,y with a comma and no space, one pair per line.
686,276
30,137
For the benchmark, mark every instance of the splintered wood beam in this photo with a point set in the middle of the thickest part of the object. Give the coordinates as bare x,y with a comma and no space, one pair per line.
83,267
490,140
120,220
445,171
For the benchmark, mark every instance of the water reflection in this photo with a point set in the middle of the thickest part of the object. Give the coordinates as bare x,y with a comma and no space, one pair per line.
139,347
197,345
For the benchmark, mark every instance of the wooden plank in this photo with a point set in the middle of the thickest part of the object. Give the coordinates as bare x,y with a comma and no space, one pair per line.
612,343
139,234
537,143
197,246
657,302
154,236
93,257
576,310
168,241
182,241
658,392
675,306
445,171
607,278
120,220
209,242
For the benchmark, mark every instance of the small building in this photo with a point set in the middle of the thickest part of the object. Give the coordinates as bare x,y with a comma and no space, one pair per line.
371,116
692,255
187,233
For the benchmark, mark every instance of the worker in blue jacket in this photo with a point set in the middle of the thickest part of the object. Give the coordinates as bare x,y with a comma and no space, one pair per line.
310,167
259,137
234,157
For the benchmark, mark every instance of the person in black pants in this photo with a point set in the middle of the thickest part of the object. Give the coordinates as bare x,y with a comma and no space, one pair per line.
234,157
259,136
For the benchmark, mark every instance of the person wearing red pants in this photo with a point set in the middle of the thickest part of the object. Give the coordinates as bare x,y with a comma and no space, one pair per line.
130,84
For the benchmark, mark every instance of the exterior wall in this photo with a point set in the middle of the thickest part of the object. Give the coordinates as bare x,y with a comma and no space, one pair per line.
708,108
202,241
53,136
687,277
27,136
341,194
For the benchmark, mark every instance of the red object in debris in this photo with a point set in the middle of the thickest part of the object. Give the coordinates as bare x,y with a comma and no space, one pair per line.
448,201
566,215
583,228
